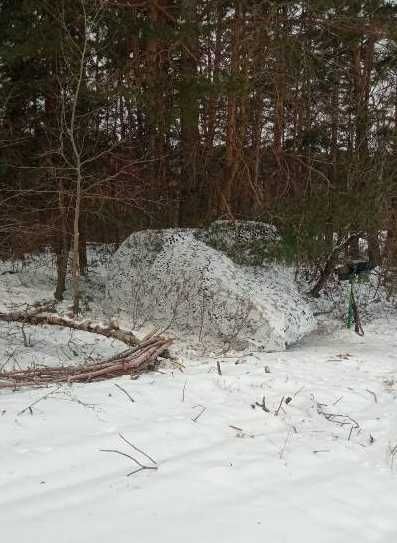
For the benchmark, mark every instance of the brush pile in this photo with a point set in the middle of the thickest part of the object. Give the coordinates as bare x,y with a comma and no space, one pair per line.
133,361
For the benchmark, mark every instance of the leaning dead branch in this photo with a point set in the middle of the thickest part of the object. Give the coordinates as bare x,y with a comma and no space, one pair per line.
132,362
330,264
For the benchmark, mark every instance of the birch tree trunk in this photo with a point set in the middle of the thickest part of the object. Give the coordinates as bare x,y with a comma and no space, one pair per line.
72,131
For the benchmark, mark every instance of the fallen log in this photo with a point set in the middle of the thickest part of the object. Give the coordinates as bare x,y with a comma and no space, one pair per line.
34,316
29,311
139,357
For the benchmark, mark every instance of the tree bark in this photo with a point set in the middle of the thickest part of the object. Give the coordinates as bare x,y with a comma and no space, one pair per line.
190,135
61,245
32,317
232,143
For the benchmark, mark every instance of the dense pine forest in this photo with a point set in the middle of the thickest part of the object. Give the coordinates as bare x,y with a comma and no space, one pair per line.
120,115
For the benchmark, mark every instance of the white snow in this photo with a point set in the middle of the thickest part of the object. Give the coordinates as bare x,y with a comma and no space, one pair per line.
235,474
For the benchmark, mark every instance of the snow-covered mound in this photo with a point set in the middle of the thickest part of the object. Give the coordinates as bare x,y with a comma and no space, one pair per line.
207,285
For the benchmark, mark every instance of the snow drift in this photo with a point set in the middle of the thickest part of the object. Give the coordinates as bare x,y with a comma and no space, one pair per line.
212,286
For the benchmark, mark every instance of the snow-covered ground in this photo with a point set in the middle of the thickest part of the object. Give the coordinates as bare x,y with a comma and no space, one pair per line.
316,467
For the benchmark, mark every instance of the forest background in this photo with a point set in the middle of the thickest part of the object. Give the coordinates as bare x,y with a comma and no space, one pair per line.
130,114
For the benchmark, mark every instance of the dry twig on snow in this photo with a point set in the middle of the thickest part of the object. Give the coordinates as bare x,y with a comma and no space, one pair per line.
140,465
30,406
203,409
339,419
125,392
